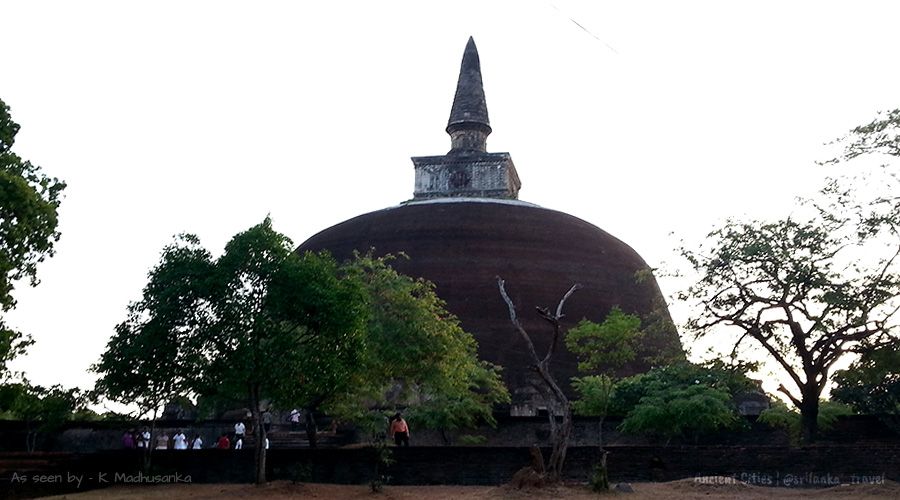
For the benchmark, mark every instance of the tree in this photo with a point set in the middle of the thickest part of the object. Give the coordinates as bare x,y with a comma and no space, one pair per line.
259,323
608,345
729,378
417,357
29,201
285,328
155,355
807,289
601,348
779,415
871,385
264,324
594,395
681,400
559,430
44,410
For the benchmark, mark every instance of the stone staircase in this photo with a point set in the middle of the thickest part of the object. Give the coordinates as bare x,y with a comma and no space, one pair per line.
284,436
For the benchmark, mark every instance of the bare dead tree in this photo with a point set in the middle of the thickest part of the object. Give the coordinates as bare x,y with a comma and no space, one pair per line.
560,425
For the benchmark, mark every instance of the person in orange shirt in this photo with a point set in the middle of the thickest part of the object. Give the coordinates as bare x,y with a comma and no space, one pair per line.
399,430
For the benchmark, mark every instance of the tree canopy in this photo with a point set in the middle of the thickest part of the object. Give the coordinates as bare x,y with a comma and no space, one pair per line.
155,354
806,289
29,201
263,323
682,399
43,409
881,135
871,384
260,323
417,355
611,343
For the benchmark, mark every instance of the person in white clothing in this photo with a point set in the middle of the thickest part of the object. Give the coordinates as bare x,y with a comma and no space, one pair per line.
162,441
179,441
295,419
197,444
239,429
144,439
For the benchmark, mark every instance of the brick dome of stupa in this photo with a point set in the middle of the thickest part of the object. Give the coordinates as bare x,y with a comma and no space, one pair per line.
465,226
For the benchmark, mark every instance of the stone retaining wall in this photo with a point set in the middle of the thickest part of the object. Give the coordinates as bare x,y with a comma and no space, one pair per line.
808,466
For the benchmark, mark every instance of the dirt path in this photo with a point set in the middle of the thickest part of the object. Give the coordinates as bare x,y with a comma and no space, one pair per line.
686,489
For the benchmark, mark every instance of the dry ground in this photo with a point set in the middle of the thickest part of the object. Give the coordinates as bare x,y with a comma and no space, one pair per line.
684,489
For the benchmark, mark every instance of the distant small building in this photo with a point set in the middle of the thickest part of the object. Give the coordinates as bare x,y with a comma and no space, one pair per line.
465,226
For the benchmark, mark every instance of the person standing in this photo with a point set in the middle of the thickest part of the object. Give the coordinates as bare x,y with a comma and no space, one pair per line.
144,438
267,420
239,430
128,439
179,441
399,430
162,441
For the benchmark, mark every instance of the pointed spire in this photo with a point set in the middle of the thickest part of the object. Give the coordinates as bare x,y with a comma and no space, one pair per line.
468,125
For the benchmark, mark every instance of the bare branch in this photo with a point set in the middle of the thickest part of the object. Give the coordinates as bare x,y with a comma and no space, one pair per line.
515,320
782,389
562,301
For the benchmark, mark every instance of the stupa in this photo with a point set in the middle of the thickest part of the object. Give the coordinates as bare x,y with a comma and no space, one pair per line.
465,226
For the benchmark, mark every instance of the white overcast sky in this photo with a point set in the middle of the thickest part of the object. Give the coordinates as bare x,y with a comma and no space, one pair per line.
648,118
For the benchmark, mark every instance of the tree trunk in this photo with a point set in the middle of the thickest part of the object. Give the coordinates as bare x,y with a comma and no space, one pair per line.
148,451
30,438
259,432
600,433
559,432
311,427
560,445
809,417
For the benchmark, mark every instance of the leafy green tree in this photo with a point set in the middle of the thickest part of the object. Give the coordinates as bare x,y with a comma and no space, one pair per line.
611,343
417,357
779,415
43,409
246,327
665,401
29,201
594,395
288,328
264,324
601,348
807,289
872,383
604,348
154,355
674,411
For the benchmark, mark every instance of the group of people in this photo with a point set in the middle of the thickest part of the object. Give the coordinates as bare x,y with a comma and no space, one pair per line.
142,439
132,439
236,441
398,430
